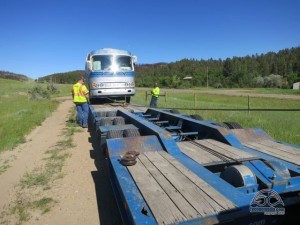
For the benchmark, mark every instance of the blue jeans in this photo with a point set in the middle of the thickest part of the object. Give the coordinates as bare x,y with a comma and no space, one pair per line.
82,113
153,103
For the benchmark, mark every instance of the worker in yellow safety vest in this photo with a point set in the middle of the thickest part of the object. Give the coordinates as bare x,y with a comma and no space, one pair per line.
79,94
155,94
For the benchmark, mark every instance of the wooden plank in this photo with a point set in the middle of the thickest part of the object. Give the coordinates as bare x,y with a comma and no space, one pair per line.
225,149
205,187
231,149
199,155
271,151
193,194
187,210
163,209
281,147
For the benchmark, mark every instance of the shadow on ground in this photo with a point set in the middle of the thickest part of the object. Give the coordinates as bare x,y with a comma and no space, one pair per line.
107,205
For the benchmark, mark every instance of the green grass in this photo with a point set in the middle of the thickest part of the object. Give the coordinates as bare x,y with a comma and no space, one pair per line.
283,126
18,113
274,91
4,166
43,177
23,206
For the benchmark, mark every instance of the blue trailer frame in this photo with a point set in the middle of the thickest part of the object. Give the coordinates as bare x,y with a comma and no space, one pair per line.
156,138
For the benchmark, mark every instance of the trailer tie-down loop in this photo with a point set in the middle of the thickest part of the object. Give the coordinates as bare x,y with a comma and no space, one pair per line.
129,158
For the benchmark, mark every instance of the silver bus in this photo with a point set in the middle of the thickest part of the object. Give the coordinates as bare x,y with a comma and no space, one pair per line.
109,73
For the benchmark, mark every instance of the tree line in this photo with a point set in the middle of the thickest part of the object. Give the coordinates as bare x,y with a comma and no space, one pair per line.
13,76
63,78
272,69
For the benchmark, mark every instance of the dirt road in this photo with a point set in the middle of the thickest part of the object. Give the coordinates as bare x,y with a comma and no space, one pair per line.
81,195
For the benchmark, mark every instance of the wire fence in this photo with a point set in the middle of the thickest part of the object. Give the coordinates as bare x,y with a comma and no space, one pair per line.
248,108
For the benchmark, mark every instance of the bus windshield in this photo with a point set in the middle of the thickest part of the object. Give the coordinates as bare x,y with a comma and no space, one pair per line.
112,63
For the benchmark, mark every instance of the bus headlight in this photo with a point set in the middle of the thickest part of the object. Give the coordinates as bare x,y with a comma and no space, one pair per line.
94,85
132,84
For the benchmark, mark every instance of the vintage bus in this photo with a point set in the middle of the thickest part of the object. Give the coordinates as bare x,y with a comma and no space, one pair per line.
109,74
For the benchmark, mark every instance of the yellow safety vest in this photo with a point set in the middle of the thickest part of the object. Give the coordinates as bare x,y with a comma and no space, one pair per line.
79,92
155,92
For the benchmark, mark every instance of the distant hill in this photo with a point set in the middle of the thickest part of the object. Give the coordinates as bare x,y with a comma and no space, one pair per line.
63,78
13,76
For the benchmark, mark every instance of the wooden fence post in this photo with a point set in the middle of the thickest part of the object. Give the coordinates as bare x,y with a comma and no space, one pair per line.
248,104
165,97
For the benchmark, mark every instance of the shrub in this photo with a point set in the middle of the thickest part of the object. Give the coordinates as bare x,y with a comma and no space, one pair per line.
38,92
52,89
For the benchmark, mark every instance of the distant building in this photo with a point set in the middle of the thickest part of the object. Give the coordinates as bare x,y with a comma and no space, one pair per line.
296,86
187,78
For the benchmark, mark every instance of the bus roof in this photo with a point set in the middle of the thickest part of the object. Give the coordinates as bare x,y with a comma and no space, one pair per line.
110,51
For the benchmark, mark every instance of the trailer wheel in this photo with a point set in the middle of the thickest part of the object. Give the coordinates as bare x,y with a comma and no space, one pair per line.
119,121
105,122
233,125
196,117
101,114
221,125
111,113
130,110
175,111
91,100
131,133
239,176
114,134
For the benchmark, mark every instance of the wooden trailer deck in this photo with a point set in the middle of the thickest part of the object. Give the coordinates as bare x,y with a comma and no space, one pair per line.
276,149
198,153
174,193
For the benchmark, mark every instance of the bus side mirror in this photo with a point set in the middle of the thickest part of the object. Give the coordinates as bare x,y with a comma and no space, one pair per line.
88,66
134,59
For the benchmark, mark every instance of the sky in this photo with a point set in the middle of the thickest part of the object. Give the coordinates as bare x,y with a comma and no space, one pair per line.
42,37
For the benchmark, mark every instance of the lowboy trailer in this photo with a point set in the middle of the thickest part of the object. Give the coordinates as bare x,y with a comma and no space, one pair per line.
186,170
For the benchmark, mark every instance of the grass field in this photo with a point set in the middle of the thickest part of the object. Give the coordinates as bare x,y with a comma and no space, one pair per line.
259,90
283,126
